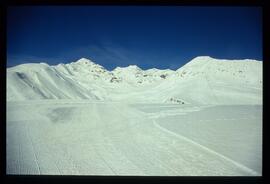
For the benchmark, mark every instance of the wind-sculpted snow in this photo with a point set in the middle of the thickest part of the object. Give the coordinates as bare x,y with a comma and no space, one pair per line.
65,137
204,80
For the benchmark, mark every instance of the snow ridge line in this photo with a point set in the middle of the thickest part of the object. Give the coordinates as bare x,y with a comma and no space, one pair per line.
250,171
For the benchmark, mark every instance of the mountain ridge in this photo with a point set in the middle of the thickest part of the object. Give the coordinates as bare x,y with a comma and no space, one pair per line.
84,79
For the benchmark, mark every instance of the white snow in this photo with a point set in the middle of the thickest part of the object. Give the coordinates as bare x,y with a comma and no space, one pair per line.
204,80
204,119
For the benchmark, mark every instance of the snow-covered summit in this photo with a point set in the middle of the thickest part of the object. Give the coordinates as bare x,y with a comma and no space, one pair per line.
202,80
208,58
129,68
29,67
201,58
84,61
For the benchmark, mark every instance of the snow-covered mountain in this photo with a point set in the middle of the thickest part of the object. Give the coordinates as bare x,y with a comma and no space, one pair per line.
203,80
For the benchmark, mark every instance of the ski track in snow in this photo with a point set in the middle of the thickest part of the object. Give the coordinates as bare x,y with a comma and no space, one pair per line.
252,172
34,151
106,139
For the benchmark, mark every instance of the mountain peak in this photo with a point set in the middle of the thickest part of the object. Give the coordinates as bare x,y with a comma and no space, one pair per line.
203,79
84,61
202,58
130,67
134,67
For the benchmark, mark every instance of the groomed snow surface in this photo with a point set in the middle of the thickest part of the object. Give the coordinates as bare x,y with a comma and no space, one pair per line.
204,119
89,138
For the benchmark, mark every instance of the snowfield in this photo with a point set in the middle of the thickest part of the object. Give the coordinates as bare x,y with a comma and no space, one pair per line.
204,119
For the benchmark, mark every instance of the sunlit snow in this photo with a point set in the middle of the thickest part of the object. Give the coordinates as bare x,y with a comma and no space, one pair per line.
204,119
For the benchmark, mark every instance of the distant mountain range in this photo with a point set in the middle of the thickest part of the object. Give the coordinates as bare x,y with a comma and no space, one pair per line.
203,80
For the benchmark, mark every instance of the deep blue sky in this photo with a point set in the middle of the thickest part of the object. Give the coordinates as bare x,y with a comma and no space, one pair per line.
150,36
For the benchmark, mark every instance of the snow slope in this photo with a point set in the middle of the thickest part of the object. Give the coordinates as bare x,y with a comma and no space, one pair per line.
203,80
65,137
40,81
204,119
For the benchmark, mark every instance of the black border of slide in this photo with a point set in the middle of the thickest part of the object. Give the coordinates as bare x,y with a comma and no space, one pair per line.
132,179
